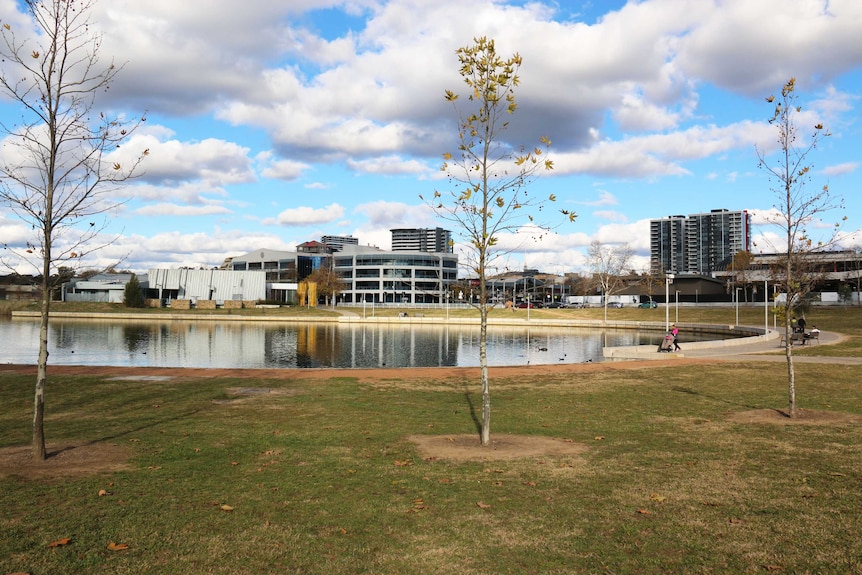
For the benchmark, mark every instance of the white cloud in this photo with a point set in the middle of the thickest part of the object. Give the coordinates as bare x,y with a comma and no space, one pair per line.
610,216
605,199
382,214
285,170
178,210
840,169
306,216
389,165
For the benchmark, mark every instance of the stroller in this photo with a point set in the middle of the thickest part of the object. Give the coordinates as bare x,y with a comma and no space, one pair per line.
666,343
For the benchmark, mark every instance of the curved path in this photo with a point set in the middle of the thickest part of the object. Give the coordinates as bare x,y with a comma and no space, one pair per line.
771,350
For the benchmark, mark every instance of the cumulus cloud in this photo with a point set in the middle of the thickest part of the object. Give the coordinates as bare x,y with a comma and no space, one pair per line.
180,210
397,215
285,170
389,165
306,216
245,100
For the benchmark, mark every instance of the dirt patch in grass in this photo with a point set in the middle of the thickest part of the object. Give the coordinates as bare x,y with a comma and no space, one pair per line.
241,395
429,374
468,447
64,460
803,417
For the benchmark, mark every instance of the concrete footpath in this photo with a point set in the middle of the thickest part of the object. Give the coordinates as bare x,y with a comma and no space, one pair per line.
767,348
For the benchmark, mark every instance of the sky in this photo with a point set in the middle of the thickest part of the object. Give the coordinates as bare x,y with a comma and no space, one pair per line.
270,124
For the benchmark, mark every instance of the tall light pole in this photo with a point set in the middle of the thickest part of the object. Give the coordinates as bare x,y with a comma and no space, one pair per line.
765,306
668,279
676,305
736,293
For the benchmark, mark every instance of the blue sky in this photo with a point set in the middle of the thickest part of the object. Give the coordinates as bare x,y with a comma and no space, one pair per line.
273,123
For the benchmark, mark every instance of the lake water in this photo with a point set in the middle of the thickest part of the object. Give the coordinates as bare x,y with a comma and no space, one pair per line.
172,343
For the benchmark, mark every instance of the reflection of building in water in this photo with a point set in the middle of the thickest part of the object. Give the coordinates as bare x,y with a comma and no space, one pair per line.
252,345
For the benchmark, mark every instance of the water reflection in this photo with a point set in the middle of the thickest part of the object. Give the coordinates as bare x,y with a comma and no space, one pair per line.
157,343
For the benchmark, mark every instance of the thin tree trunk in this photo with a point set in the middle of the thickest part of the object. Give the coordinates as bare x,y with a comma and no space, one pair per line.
788,345
483,362
38,448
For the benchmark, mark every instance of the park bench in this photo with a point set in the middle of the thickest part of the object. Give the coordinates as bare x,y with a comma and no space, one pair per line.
796,337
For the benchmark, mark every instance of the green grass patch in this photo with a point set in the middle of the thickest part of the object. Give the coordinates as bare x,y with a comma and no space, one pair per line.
320,477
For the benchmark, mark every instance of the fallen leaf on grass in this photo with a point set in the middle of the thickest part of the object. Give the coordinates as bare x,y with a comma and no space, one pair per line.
599,437
117,546
483,505
60,542
226,508
103,493
403,463
657,497
772,567
644,511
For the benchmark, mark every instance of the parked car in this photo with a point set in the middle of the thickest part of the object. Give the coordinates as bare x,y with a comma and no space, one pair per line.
648,304
554,304
525,305
616,304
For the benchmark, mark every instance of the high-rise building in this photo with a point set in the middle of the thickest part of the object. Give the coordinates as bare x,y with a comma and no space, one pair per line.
433,240
698,243
336,243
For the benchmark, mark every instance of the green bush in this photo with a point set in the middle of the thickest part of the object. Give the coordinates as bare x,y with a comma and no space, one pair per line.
133,295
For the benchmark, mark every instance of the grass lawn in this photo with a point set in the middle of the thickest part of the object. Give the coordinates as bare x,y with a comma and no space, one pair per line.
682,471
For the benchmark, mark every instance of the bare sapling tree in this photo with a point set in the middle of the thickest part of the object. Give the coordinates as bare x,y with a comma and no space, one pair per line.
489,178
608,264
797,208
59,171
739,266
650,280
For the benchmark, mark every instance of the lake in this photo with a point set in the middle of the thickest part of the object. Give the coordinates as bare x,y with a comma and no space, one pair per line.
204,344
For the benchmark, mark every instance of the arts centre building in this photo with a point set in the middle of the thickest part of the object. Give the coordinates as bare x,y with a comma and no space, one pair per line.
408,274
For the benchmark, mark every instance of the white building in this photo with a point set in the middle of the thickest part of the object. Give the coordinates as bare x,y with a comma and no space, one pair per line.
212,284
102,288
409,277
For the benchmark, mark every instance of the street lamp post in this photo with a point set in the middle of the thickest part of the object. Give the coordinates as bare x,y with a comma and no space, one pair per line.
676,305
668,279
736,293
